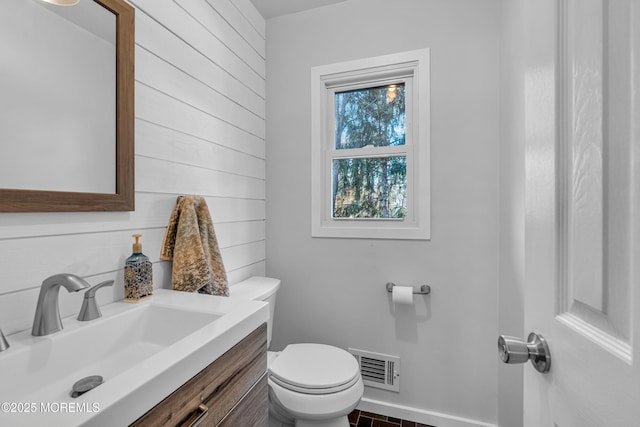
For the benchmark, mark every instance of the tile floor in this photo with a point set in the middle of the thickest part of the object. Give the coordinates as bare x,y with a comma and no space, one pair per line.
367,419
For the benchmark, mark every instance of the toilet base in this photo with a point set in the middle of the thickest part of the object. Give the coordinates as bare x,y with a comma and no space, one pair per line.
279,418
336,422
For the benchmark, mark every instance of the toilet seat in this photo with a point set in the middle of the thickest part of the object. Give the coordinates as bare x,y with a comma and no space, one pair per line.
314,369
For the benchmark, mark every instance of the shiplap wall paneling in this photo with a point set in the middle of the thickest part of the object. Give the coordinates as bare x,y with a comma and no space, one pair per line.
152,36
151,212
200,110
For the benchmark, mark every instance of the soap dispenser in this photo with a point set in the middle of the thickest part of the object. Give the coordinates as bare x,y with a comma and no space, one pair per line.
138,274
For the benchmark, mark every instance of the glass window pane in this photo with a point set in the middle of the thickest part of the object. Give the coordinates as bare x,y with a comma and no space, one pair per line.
371,116
370,187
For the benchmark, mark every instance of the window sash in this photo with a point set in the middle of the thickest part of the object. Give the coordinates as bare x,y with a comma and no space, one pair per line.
330,118
369,151
385,219
363,86
365,153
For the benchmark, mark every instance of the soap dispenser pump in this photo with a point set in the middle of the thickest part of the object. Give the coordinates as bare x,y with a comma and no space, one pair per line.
138,274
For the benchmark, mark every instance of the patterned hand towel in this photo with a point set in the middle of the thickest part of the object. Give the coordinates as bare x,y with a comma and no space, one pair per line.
190,242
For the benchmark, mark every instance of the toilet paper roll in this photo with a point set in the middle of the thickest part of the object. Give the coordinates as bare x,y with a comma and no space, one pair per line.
402,295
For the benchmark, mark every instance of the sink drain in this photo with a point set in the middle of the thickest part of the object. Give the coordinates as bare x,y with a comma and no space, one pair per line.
85,384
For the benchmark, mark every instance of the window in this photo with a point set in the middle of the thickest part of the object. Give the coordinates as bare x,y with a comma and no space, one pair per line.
369,163
370,145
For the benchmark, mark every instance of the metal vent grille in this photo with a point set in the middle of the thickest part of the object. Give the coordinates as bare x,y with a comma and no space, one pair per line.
378,370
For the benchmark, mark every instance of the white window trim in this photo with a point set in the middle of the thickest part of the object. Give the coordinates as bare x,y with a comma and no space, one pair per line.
417,223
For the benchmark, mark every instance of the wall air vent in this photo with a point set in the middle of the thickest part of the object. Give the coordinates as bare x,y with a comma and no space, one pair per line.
378,370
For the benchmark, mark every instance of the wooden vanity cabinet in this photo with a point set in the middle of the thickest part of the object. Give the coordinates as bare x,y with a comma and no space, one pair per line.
232,391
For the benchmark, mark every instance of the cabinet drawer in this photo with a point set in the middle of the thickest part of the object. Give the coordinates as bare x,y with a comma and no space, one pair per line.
219,386
253,409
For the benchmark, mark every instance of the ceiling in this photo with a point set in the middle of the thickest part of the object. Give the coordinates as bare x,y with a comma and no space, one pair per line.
273,8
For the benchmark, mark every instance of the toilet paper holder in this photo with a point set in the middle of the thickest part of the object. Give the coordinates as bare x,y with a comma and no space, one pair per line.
423,290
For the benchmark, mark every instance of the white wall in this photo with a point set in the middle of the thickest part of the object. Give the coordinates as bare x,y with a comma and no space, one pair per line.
333,289
200,108
511,283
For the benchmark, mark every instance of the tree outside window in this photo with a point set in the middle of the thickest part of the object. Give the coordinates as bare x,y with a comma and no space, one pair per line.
371,186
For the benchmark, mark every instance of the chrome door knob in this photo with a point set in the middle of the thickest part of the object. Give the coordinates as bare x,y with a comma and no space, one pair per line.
515,350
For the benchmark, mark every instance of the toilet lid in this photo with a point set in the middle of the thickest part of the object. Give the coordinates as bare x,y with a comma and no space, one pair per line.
314,369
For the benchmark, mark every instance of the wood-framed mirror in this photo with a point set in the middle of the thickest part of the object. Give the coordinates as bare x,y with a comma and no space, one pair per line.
50,132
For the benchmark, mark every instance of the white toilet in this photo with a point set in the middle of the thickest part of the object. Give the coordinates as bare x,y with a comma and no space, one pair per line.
309,384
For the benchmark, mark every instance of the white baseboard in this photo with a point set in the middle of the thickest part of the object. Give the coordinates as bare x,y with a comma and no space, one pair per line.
418,415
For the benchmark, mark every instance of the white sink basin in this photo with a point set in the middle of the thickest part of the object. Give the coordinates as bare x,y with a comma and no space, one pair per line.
143,351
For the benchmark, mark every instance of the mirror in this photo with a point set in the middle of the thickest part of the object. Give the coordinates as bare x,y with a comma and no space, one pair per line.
66,128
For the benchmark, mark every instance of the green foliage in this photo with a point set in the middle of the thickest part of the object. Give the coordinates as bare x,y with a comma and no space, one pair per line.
372,116
361,193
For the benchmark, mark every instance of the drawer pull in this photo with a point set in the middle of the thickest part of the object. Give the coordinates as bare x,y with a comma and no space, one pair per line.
203,412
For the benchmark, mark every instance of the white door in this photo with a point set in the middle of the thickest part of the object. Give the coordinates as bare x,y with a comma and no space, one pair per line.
582,248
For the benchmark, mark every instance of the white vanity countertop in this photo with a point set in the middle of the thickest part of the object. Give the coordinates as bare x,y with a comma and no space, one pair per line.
144,352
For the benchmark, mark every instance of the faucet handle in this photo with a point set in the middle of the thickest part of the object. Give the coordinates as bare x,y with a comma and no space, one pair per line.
90,309
91,292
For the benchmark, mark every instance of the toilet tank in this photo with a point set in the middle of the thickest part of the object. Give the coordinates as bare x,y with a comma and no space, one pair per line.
260,289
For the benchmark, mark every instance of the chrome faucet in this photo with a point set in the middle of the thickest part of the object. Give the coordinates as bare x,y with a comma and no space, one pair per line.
4,344
47,318
90,309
